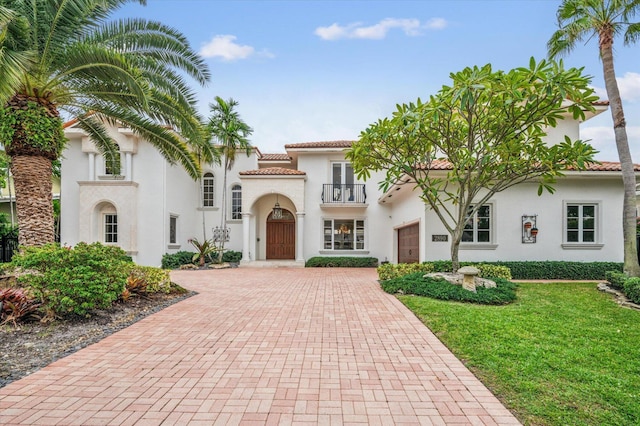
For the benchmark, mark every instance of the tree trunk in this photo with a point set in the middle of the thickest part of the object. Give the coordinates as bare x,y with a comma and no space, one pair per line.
631,265
223,216
456,236
34,202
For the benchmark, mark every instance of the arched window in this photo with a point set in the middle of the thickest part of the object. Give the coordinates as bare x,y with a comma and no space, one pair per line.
208,190
112,164
236,202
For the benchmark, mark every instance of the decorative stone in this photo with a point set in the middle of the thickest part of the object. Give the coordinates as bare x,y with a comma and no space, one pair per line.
219,265
458,279
468,277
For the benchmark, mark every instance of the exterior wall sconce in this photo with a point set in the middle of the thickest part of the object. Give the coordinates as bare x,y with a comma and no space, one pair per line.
529,228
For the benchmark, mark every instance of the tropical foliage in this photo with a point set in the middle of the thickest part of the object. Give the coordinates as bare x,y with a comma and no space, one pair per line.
580,21
230,134
479,136
69,58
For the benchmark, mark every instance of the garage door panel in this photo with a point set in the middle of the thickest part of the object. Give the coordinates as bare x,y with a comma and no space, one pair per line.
409,244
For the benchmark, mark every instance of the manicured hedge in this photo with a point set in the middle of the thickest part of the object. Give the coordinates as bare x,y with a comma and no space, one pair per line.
632,289
439,288
542,270
560,270
342,262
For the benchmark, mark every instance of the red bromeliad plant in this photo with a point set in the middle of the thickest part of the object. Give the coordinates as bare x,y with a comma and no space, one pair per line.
16,305
204,249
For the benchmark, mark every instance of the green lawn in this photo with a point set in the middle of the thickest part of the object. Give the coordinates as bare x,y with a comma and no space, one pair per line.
562,354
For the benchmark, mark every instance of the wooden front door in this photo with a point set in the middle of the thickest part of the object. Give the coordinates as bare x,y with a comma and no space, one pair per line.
409,244
281,237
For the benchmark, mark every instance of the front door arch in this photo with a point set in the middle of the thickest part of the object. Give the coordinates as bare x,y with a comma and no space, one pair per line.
281,236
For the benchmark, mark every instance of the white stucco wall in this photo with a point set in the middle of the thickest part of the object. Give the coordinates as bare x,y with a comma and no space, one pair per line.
509,207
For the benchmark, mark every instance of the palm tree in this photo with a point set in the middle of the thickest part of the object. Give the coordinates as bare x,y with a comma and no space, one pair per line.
580,20
129,71
229,132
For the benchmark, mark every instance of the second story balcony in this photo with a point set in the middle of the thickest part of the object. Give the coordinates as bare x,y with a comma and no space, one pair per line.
344,195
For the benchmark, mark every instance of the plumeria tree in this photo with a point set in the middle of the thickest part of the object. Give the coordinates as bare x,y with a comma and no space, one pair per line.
68,57
605,20
481,135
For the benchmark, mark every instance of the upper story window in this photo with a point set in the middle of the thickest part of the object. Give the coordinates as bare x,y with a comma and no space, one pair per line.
478,228
581,223
208,190
113,164
236,202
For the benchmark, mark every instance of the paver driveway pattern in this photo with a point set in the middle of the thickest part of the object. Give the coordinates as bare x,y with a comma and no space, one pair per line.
262,346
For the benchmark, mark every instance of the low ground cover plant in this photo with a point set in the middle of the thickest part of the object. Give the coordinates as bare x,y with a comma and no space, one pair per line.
341,262
562,354
438,288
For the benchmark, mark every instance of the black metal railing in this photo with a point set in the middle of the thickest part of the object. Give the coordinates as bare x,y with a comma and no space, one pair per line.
8,244
344,193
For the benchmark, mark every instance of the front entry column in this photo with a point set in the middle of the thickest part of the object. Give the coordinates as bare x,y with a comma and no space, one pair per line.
246,222
300,237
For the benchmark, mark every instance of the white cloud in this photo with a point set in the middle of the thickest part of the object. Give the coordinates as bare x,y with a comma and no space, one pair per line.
629,86
225,47
603,139
411,27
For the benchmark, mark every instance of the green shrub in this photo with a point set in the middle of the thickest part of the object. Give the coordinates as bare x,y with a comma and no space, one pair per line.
438,288
539,270
232,256
632,289
176,260
388,271
616,279
73,280
560,270
156,280
342,262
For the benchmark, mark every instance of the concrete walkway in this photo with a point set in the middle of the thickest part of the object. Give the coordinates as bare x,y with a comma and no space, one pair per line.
262,346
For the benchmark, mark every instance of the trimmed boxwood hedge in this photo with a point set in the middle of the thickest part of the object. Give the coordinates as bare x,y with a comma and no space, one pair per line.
341,262
439,288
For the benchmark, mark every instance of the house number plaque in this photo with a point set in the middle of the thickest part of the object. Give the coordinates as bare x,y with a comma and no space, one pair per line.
439,238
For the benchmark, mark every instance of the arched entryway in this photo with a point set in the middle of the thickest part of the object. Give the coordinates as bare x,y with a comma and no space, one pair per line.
281,236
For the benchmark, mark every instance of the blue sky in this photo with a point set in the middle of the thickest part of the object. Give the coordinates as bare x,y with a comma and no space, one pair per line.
306,71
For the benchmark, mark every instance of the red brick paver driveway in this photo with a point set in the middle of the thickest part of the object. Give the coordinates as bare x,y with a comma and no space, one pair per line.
256,346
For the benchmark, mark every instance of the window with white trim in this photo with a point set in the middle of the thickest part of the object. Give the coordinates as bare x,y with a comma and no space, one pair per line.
173,229
581,223
113,163
208,190
344,234
236,202
110,228
478,228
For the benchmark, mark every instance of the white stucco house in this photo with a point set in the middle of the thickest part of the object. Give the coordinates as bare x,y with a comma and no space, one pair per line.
149,208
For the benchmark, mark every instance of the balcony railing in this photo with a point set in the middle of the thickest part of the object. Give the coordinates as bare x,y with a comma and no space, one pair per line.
344,194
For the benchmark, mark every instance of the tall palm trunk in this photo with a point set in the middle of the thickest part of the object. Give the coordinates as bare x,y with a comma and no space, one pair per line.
631,265
223,217
34,202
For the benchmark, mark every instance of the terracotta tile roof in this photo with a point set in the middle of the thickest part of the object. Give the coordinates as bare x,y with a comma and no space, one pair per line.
325,144
601,103
273,171
275,157
604,166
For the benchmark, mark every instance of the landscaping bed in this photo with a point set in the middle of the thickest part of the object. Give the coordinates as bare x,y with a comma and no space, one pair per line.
34,345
